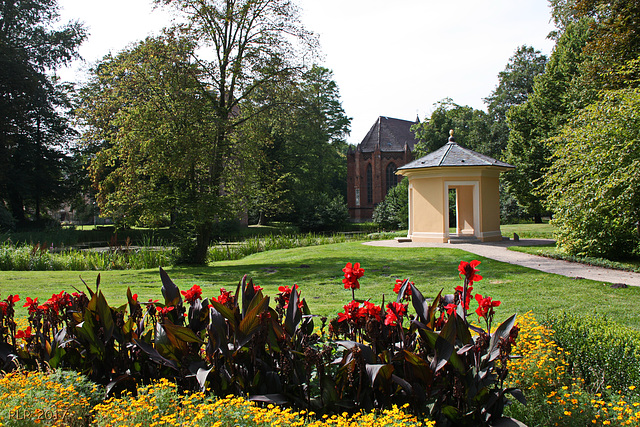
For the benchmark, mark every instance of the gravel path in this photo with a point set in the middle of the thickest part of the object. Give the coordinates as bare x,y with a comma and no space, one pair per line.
499,252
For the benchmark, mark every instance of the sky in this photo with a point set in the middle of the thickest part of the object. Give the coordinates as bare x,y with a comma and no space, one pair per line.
393,58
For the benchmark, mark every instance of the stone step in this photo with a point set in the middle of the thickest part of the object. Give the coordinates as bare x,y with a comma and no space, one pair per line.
463,239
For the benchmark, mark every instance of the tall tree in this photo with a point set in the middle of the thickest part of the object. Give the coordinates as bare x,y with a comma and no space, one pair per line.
514,87
554,100
304,144
470,126
148,127
594,182
34,128
614,41
245,45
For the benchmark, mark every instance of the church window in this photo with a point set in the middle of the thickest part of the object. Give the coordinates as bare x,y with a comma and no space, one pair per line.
392,179
369,184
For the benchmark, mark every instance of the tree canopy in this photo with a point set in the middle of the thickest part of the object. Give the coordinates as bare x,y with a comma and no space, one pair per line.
470,126
594,181
34,129
171,119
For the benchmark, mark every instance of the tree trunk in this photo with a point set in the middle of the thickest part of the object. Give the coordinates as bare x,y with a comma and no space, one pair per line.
262,220
537,218
202,243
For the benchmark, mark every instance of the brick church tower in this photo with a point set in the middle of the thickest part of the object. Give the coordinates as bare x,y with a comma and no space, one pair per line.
372,165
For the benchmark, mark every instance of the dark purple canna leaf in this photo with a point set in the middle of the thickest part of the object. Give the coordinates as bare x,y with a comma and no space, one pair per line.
293,315
378,370
170,291
154,355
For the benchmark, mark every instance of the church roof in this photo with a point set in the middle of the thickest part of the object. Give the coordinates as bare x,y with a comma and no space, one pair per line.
389,134
451,154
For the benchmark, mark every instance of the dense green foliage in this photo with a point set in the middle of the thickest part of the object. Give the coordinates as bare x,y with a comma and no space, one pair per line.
540,117
393,212
302,164
471,127
42,258
598,350
514,87
573,140
35,133
593,183
167,123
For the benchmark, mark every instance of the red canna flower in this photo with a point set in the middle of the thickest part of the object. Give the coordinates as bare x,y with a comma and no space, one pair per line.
58,301
451,308
468,270
257,288
351,311
224,298
351,275
134,297
398,286
485,306
395,311
164,310
391,319
13,299
371,311
193,294
32,304
24,334
459,290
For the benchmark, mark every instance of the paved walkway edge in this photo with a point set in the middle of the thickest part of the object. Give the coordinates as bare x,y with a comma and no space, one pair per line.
499,252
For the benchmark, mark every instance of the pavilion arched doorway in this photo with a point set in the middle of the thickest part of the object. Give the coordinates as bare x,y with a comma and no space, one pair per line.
467,209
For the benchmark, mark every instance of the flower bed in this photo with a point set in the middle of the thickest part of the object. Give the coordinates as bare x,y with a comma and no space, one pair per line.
373,357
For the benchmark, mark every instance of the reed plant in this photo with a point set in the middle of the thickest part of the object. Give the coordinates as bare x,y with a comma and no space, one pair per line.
42,258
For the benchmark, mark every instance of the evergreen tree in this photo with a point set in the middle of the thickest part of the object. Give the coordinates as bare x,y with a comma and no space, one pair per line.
34,127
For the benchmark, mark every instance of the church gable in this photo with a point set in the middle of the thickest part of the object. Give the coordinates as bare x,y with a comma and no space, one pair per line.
389,135
371,166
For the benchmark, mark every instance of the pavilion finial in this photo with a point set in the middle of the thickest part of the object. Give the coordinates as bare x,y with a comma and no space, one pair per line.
451,139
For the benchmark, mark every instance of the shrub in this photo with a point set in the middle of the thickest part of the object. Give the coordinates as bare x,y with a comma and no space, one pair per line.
393,211
320,212
594,181
601,352
41,258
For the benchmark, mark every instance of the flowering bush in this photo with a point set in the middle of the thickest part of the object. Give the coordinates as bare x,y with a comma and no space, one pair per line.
373,356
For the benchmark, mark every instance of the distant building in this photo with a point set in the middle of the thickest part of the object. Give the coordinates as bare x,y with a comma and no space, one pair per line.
372,164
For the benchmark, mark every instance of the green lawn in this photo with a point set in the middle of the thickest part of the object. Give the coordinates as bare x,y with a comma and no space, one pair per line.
318,272
528,231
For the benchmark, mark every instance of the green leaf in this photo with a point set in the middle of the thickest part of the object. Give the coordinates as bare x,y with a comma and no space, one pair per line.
367,352
420,367
293,315
226,312
154,355
106,318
